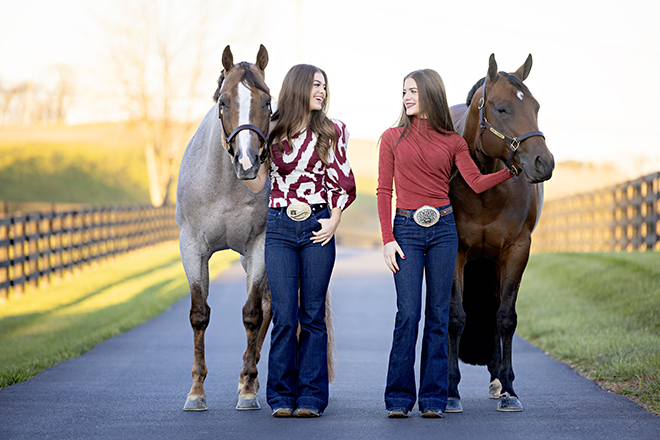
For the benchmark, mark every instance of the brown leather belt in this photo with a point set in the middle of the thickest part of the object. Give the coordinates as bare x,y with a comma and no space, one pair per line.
410,212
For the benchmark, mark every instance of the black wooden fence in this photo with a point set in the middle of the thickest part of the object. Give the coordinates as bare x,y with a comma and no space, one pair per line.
38,247
623,217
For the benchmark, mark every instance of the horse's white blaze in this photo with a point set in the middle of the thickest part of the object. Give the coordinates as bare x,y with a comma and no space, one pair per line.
520,95
243,137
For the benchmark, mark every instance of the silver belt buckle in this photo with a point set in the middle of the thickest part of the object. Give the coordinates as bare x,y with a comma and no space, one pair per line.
298,211
426,216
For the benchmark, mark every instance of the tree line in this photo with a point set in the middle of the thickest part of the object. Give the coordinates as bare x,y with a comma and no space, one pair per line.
28,103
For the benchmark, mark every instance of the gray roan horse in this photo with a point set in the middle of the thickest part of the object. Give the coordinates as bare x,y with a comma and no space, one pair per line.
499,123
216,211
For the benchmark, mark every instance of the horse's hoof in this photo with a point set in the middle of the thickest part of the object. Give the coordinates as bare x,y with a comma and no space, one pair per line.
195,402
495,389
454,405
248,402
509,403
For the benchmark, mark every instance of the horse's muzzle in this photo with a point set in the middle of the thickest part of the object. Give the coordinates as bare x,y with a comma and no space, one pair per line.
538,168
246,174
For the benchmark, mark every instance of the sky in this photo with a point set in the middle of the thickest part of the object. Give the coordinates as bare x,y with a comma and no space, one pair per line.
594,72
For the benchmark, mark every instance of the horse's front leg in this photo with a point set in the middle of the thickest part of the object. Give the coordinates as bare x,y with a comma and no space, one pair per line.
494,366
197,271
257,315
512,267
456,326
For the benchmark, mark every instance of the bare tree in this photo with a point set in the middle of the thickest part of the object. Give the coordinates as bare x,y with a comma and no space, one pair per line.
12,103
30,103
157,57
62,92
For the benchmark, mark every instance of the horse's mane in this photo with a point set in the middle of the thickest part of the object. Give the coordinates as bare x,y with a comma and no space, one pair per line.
249,79
513,80
473,90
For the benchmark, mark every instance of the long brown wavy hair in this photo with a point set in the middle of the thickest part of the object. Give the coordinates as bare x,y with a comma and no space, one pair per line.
432,103
293,108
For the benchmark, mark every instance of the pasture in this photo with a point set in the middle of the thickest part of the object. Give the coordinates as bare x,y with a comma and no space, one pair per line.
99,163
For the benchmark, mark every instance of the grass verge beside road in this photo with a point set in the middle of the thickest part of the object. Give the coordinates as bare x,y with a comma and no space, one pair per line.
599,313
50,325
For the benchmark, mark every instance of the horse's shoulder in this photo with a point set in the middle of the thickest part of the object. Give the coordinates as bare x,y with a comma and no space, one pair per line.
458,115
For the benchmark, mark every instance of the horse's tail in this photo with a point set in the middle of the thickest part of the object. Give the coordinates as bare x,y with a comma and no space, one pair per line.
332,347
480,302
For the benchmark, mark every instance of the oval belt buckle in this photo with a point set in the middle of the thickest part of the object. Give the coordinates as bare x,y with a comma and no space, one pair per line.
298,211
426,216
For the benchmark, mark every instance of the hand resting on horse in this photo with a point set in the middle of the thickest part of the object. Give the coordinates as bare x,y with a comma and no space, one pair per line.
257,184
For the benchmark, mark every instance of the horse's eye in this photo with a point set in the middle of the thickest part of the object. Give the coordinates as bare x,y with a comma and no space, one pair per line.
501,110
267,104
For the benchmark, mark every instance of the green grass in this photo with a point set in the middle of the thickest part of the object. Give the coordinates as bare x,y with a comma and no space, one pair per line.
50,325
99,163
600,313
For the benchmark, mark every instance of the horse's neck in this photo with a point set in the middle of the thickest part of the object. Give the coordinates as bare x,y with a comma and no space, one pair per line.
470,130
458,115
217,157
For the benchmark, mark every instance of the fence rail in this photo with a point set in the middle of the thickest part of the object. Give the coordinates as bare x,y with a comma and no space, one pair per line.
623,217
40,246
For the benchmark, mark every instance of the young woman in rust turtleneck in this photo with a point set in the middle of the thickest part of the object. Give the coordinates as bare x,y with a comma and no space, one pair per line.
418,156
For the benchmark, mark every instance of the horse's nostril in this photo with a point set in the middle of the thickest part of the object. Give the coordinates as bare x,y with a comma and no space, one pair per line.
538,163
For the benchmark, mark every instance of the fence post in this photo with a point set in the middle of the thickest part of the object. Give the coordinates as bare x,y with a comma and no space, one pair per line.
41,245
5,223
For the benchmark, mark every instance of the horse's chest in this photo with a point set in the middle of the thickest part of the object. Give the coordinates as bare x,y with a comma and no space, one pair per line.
487,230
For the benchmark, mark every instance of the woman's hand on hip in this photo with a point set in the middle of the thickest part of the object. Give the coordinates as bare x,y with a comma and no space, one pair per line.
328,227
389,254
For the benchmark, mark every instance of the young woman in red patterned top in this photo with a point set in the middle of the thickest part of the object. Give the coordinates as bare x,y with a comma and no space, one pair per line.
311,183
418,156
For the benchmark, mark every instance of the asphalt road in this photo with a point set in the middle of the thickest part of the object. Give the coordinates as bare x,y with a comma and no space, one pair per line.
135,385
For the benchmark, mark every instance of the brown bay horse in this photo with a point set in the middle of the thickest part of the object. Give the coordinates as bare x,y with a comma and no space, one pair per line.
499,123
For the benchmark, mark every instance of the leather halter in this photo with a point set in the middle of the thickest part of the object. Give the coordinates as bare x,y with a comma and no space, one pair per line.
264,137
514,142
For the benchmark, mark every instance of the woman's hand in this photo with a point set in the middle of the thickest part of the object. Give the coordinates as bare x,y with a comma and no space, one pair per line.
257,184
389,254
328,227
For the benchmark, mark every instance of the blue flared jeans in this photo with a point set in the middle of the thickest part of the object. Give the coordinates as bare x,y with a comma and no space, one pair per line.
298,364
430,252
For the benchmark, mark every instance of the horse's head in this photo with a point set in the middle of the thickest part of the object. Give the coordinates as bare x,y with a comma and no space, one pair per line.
508,116
244,105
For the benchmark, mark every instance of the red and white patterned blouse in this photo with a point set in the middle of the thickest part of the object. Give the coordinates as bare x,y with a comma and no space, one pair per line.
299,175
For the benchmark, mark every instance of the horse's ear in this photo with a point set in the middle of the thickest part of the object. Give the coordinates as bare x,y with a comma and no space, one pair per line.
227,59
262,58
523,71
492,68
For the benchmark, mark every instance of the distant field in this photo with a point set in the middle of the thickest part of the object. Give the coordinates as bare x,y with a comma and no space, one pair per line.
104,163
100,163
96,163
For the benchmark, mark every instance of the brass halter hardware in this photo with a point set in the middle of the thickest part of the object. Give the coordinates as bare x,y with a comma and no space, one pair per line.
514,142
